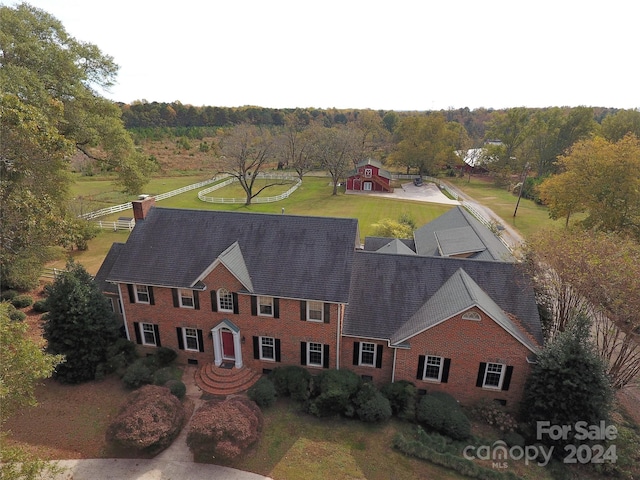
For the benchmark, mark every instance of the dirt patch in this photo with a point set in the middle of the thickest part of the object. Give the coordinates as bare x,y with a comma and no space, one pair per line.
629,399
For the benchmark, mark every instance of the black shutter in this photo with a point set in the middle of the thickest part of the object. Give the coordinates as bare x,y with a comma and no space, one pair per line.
379,356
444,378
200,341
256,348
303,310
180,340
303,353
507,378
356,353
196,300
420,372
156,329
151,299
327,312
132,297
276,308
325,357
136,327
214,301
176,300
481,370
277,349
236,308
254,306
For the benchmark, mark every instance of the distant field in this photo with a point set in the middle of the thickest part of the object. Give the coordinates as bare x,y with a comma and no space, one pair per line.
314,198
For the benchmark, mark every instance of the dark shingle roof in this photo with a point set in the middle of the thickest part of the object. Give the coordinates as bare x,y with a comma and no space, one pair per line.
473,237
283,255
373,244
105,268
387,290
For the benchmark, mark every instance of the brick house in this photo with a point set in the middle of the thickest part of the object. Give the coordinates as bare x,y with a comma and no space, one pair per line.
369,176
256,291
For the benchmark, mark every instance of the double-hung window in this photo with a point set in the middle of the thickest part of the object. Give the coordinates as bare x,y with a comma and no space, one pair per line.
225,300
433,368
368,354
186,298
315,354
148,334
265,306
493,375
142,294
191,339
315,311
267,348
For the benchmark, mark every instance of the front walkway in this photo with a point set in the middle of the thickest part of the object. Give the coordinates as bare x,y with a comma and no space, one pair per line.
176,462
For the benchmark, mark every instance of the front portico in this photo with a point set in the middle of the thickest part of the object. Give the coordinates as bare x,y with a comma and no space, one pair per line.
227,343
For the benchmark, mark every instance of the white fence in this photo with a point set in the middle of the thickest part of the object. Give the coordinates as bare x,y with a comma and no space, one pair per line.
202,195
115,225
52,273
126,206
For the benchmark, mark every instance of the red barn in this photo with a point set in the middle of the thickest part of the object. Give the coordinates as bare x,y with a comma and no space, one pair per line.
369,176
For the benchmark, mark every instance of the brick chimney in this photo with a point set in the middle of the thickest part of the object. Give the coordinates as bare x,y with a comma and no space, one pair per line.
141,207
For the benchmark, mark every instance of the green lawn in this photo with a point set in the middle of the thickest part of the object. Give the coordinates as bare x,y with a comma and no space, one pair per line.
529,218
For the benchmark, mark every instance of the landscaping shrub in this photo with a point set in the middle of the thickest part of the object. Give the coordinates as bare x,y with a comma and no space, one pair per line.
176,387
446,398
371,405
17,316
334,391
165,356
402,398
443,417
40,306
291,381
149,421
137,374
514,439
495,415
22,301
163,375
263,392
224,429
8,295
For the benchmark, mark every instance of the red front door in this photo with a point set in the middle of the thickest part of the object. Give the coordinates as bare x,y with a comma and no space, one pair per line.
227,345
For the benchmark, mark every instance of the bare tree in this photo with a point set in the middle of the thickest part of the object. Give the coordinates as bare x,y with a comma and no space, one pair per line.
245,150
596,274
333,148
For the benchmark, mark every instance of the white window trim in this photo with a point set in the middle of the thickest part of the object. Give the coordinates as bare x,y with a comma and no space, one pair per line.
181,291
309,319
220,293
184,339
273,346
143,336
375,351
475,316
260,297
503,369
368,172
427,364
309,363
135,291
367,186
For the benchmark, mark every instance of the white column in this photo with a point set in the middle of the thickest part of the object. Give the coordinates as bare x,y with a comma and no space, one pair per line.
217,347
237,346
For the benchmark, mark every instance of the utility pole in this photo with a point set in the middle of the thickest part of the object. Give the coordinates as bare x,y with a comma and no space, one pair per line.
524,181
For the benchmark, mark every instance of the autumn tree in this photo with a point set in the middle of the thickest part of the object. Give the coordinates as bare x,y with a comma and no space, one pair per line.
333,149
24,364
616,126
369,133
246,150
594,274
510,129
294,144
50,108
424,143
602,179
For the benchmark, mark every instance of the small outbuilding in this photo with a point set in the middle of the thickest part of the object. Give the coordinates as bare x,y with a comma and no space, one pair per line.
369,176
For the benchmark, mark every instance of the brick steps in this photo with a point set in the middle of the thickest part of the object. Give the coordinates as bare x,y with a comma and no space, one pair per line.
225,381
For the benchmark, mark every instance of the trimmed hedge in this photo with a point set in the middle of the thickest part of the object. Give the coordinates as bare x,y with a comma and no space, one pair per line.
402,398
291,381
40,306
137,374
371,405
22,301
263,392
333,393
177,388
444,417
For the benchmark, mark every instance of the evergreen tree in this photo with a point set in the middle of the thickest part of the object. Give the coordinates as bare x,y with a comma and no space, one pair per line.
569,383
80,324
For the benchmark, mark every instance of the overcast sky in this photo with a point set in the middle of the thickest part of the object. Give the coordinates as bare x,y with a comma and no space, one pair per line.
390,55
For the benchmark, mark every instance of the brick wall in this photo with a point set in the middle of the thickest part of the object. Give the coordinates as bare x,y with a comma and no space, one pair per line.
467,343
381,375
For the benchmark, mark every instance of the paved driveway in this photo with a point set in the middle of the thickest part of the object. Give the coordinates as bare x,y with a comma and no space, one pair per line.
428,192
